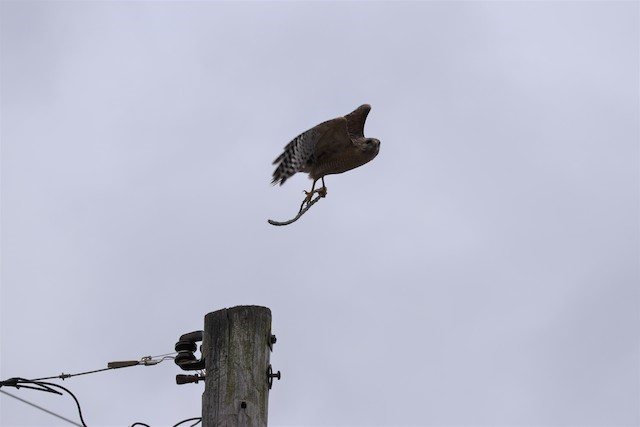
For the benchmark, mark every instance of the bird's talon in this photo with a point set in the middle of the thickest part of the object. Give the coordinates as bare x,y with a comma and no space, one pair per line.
308,196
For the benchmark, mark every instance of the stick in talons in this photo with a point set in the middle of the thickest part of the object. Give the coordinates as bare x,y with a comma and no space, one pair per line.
302,212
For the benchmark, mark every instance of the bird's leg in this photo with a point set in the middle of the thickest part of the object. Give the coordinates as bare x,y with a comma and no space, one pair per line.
310,193
308,196
322,192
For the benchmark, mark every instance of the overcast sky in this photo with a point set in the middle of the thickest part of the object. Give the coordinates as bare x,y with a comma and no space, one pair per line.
482,270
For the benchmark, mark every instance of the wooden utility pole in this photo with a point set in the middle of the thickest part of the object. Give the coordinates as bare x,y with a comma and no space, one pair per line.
236,346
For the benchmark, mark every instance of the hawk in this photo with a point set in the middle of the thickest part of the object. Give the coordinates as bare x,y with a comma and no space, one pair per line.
332,147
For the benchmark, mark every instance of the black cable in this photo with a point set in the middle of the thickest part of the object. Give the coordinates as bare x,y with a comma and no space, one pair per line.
43,386
74,398
38,384
18,383
196,419
41,408
46,386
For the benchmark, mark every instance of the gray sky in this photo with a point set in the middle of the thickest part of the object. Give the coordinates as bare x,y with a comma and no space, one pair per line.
482,270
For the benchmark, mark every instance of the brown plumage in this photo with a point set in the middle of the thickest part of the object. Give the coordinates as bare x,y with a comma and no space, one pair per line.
332,147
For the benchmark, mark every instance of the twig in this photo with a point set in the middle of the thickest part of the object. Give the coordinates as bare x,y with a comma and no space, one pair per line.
302,212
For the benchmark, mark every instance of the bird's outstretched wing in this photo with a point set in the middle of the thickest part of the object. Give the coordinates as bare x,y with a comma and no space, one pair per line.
301,153
356,119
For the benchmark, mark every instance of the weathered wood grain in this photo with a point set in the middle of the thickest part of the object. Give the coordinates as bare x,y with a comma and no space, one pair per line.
236,351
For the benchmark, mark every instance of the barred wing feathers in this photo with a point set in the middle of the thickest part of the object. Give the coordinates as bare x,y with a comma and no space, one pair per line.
302,153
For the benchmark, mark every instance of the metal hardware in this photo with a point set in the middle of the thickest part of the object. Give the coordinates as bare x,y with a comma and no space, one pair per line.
185,348
271,376
272,341
185,379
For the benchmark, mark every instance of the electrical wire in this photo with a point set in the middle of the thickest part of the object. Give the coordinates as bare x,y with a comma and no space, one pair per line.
72,395
65,376
41,408
146,360
196,419
42,386
164,355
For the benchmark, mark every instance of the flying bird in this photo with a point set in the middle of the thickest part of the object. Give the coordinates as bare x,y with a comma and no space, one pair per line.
332,147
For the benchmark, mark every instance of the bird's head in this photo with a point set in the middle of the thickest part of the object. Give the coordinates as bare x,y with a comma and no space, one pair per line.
371,146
